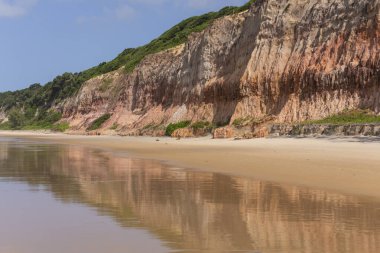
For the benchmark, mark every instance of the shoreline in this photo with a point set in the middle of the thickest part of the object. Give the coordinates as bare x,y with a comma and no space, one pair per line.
346,165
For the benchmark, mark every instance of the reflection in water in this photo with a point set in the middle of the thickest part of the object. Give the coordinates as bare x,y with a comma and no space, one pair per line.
193,211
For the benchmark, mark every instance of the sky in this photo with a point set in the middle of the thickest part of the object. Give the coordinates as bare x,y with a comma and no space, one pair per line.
41,39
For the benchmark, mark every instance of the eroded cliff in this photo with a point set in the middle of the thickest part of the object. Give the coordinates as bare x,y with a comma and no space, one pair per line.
292,60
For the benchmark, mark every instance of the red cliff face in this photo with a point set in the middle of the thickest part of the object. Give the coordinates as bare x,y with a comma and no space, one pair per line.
289,59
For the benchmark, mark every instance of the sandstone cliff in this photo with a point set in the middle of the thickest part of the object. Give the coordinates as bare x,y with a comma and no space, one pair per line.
289,59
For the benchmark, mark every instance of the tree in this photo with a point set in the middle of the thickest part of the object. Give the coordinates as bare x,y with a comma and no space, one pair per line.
16,119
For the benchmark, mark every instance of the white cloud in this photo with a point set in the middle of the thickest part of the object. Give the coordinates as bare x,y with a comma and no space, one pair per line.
123,12
15,8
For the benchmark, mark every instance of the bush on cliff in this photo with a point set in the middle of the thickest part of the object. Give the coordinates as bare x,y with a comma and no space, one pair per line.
174,126
5,126
202,125
16,119
349,117
96,124
60,127
31,119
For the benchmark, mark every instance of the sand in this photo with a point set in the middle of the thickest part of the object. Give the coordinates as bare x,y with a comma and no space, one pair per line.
345,165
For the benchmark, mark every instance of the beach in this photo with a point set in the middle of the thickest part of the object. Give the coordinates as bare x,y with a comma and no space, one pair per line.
345,165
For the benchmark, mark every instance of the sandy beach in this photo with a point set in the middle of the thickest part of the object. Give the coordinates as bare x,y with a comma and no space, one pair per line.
347,165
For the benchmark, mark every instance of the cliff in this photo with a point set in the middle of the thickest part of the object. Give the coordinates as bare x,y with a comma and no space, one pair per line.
291,60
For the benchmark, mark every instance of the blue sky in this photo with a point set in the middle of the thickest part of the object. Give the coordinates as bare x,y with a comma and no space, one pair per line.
44,38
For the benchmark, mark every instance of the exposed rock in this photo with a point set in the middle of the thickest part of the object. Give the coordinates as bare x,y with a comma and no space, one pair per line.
293,59
158,133
224,133
201,132
183,133
3,116
248,135
328,130
153,130
261,132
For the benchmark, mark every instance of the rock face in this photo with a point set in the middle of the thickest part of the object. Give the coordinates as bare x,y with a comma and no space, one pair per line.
3,116
291,59
183,133
336,130
223,133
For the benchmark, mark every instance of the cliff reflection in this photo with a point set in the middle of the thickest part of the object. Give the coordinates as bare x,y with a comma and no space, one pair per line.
193,211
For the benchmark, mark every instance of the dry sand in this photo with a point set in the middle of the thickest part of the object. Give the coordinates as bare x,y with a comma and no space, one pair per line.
347,165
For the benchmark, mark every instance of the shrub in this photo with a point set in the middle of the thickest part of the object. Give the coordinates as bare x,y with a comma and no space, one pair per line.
174,126
238,122
5,126
60,127
349,117
44,120
114,126
52,117
202,125
99,122
242,122
152,126
16,119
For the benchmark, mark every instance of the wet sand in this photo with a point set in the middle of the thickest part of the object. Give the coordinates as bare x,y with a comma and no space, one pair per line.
346,165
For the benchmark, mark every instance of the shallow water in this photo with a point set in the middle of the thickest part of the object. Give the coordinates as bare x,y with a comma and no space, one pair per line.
61,198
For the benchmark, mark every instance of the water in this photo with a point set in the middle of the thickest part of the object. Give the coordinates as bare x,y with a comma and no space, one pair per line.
70,199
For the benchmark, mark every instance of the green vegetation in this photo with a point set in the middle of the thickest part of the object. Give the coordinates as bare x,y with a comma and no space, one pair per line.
242,122
5,126
114,126
175,36
38,97
60,127
238,122
349,117
16,119
200,125
174,126
9,100
99,122
33,119
153,127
